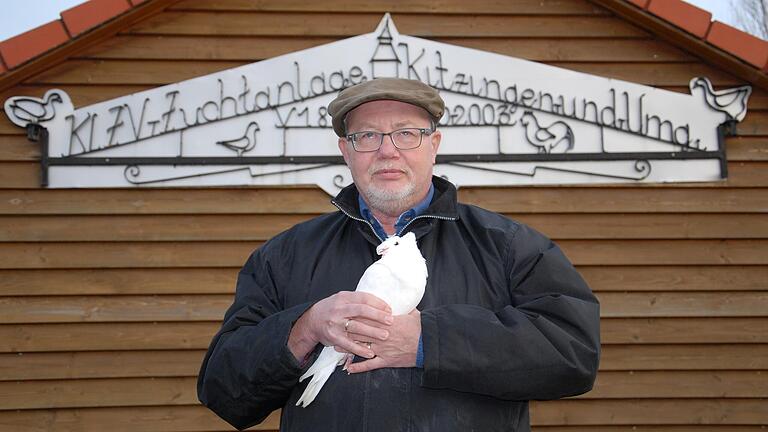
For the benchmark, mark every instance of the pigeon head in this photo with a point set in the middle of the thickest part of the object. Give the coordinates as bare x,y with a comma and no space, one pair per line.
395,242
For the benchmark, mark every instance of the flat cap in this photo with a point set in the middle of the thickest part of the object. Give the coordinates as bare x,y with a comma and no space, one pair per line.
413,92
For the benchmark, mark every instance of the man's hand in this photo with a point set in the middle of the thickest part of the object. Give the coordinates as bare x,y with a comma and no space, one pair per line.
398,350
331,320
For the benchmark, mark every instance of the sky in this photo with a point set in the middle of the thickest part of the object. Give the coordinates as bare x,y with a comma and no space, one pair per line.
720,9
22,15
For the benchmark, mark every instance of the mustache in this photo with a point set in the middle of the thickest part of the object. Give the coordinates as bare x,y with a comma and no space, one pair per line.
387,166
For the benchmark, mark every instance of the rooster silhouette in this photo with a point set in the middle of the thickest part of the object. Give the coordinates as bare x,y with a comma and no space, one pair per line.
549,138
243,143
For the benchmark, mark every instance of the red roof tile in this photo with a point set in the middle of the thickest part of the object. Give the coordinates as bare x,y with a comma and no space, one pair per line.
751,49
92,13
696,21
640,3
699,23
25,46
688,17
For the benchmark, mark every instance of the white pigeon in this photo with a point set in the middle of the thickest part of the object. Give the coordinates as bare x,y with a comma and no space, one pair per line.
398,278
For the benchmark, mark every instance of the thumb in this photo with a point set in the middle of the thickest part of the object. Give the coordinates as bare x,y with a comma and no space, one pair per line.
367,365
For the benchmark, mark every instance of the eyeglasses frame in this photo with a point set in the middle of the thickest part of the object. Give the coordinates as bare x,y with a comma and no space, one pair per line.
422,132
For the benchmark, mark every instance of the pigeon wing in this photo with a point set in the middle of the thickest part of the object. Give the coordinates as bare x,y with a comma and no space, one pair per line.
380,281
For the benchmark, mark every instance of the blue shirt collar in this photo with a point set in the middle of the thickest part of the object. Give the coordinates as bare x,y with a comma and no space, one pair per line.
404,219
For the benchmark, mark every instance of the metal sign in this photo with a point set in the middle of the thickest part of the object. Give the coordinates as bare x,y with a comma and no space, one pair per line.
507,121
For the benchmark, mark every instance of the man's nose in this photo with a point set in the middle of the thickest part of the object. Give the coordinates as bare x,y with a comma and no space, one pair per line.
388,148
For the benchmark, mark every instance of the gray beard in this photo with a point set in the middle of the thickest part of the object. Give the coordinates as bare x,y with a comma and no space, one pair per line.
391,203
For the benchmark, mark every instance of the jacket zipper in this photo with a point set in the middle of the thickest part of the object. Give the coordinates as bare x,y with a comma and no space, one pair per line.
406,225
359,219
427,216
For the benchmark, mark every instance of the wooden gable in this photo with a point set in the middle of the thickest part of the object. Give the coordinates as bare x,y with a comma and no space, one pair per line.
109,297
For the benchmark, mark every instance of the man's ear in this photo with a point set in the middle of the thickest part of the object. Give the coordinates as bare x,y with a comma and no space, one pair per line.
344,148
435,139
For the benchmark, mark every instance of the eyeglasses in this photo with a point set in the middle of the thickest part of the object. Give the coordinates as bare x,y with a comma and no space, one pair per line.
403,139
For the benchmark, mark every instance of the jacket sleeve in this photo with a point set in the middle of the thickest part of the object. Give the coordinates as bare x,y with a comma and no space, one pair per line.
248,371
544,345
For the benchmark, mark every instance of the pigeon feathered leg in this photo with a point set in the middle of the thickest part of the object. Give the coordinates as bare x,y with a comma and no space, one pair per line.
320,371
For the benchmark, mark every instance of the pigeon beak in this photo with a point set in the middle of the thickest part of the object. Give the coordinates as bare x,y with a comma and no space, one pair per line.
382,250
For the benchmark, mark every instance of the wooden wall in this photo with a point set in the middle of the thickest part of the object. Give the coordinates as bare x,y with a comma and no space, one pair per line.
108,298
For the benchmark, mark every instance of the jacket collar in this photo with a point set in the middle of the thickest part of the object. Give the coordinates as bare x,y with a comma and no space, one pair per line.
444,204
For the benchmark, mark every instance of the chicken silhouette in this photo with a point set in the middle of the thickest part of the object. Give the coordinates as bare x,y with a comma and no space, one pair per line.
732,102
22,110
243,143
547,138
398,278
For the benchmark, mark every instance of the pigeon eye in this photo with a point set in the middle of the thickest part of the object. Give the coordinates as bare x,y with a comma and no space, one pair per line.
397,243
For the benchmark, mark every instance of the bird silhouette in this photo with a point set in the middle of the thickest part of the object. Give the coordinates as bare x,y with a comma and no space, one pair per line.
22,110
243,143
732,102
547,138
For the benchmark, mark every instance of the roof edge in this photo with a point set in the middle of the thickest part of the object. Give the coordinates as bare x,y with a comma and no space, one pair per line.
700,38
47,55
675,21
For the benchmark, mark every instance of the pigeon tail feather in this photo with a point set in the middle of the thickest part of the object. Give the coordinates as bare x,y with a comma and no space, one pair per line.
328,358
315,384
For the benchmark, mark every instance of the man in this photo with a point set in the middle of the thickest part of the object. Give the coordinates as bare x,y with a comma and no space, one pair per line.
505,317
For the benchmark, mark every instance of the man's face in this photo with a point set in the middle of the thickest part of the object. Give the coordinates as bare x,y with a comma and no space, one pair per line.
391,180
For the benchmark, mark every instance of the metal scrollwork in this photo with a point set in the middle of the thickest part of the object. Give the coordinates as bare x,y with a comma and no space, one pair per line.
132,173
643,167
254,127
339,181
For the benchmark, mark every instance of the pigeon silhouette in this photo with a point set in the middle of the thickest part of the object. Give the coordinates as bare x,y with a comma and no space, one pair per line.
547,138
732,102
243,143
398,278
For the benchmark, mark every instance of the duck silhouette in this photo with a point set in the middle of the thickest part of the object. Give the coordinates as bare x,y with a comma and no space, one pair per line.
732,102
243,143
549,138
23,110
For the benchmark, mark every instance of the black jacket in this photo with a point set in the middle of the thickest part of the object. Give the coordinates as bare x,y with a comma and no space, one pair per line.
505,319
